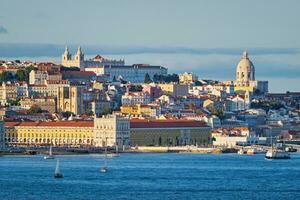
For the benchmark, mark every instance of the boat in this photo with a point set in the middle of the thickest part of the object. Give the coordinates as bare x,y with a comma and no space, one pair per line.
276,154
50,156
57,173
104,168
290,149
242,151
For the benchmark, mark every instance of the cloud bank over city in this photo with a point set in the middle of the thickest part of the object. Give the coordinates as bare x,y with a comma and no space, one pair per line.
205,37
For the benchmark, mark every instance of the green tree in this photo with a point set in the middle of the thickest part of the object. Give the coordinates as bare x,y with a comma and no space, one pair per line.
147,79
21,75
6,76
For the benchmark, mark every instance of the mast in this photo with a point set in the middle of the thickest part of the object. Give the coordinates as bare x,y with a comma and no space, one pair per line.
57,170
50,151
105,159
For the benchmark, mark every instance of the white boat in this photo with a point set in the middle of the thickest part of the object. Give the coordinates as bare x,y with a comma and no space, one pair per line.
104,168
50,156
57,173
276,154
242,151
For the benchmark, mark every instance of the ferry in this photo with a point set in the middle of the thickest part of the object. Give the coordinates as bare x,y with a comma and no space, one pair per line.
276,154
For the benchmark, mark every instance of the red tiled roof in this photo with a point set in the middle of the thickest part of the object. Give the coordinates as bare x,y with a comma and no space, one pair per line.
138,123
53,124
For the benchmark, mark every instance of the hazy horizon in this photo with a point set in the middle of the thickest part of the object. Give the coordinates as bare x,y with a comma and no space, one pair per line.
204,37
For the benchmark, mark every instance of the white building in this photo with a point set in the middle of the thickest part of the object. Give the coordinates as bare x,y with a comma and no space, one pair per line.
38,77
78,60
111,130
245,76
131,98
133,73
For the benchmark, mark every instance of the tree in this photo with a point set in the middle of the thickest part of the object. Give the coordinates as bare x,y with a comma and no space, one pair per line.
21,75
218,112
35,109
6,76
147,79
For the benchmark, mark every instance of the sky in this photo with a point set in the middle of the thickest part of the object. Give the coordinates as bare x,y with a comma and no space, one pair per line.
206,37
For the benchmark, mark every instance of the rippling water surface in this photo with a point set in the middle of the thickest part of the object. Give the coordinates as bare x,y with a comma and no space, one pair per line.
151,176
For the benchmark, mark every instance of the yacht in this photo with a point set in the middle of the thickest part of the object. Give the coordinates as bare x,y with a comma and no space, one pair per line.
104,168
50,156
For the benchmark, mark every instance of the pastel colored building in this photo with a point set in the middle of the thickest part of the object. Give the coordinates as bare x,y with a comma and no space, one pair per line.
169,132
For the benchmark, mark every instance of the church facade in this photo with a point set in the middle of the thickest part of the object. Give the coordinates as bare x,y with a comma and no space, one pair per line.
78,60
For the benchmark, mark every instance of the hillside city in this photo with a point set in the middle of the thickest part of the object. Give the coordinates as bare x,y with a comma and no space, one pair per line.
90,103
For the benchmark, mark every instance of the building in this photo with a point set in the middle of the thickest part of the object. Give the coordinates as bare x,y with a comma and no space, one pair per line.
187,78
132,73
175,89
172,132
53,85
79,76
2,134
8,91
38,90
70,99
245,77
111,130
38,77
45,103
141,110
131,98
100,107
80,62
60,133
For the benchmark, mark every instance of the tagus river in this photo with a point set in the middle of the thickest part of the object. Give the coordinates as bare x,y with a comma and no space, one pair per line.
151,176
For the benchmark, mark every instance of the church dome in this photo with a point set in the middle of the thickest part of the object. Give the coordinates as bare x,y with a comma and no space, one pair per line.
245,70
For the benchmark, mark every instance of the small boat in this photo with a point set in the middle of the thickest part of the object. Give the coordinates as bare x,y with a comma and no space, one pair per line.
242,151
104,168
50,156
290,149
57,173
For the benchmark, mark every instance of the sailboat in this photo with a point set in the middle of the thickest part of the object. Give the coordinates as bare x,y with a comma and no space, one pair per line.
50,156
57,173
276,154
104,168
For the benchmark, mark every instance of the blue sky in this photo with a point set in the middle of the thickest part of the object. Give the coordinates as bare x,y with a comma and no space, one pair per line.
205,37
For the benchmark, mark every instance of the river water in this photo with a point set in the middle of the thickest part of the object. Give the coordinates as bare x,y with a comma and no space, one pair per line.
151,176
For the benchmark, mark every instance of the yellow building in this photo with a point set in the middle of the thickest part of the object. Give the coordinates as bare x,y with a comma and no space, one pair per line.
140,110
187,78
169,132
62,133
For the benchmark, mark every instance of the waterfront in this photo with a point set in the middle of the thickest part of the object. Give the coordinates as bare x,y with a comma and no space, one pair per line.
151,176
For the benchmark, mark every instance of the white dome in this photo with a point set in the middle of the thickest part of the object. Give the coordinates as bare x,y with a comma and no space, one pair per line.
245,70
